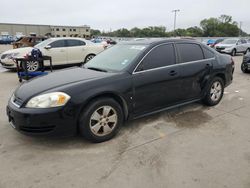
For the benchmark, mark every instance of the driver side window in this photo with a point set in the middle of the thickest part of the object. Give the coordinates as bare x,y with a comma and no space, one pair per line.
160,56
58,44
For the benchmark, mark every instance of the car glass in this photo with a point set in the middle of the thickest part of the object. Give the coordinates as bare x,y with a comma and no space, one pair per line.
116,58
160,56
189,52
58,44
71,43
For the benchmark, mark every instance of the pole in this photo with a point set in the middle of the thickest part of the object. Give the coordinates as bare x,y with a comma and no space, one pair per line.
240,29
175,14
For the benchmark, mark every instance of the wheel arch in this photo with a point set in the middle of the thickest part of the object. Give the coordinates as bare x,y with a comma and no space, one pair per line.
88,55
121,101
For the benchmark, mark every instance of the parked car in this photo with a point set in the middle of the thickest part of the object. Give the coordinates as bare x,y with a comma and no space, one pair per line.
64,51
216,41
233,46
141,78
28,41
245,66
6,39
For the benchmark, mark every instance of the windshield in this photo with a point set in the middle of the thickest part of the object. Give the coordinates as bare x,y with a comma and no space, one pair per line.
229,41
116,58
43,44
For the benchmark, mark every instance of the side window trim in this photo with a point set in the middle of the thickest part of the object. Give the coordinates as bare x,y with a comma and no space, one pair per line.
179,57
135,69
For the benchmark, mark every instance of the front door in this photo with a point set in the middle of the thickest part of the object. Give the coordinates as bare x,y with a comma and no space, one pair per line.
156,81
58,52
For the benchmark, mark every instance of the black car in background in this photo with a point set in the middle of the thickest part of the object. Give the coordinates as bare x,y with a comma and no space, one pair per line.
127,81
245,66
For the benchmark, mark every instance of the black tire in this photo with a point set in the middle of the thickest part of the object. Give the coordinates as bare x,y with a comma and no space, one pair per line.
32,66
244,68
89,57
212,99
88,120
233,53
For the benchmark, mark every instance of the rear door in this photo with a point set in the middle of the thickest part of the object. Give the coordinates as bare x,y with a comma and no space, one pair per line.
76,50
156,80
58,52
194,68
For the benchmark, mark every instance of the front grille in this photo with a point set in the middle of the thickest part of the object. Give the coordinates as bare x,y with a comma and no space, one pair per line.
37,129
220,48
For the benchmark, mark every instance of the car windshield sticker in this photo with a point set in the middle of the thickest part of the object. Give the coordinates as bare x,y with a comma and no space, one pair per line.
125,62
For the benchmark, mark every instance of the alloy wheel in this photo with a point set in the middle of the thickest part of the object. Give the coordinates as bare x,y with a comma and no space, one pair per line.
103,121
216,91
32,66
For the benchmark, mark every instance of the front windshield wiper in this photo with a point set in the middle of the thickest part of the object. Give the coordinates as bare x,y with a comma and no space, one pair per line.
97,69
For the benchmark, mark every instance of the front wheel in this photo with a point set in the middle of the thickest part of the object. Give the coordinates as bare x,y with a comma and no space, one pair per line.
101,120
31,66
247,51
215,92
233,53
89,57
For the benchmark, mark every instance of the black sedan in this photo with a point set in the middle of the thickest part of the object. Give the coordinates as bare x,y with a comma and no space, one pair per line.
245,66
127,81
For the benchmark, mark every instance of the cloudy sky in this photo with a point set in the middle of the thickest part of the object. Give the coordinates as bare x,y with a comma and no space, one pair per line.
114,14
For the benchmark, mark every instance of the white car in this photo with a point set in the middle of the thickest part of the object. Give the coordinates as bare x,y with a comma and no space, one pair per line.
62,50
233,46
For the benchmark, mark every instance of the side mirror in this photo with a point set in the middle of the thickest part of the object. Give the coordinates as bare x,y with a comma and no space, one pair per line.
47,47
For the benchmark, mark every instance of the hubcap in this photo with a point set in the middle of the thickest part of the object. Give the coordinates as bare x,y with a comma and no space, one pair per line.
103,121
89,57
32,66
216,91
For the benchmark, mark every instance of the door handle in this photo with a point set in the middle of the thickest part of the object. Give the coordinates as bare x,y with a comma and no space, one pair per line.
172,73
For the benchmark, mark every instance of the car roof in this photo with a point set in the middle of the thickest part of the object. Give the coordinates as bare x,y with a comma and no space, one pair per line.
157,41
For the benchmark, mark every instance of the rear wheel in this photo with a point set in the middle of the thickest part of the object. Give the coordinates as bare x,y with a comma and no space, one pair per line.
215,92
31,66
101,120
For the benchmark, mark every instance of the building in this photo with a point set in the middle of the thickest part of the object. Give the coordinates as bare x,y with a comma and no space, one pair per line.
44,30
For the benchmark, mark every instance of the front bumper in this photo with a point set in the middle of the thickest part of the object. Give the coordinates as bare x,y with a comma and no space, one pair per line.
8,65
226,50
49,122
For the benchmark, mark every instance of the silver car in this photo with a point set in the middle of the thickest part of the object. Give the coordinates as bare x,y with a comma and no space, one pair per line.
233,46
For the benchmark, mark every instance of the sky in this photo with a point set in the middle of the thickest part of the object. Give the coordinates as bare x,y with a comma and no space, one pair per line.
114,14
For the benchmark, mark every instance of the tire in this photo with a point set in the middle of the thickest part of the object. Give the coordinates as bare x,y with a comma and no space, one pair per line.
32,66
89,57
244,68
101,120
247,51
215,92
233,53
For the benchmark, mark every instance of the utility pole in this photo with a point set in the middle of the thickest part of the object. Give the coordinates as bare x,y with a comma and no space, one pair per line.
175,13
240,29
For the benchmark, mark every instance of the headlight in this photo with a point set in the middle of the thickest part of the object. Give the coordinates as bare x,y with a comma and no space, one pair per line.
48,100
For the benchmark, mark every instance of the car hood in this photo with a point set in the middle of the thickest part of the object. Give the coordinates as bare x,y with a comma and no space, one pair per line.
57,79
224,45
21,51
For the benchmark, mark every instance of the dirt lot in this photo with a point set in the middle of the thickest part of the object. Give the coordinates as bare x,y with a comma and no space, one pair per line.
190,147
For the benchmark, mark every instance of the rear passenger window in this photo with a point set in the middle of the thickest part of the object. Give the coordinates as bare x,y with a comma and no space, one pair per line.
160,56
207,53
189,52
